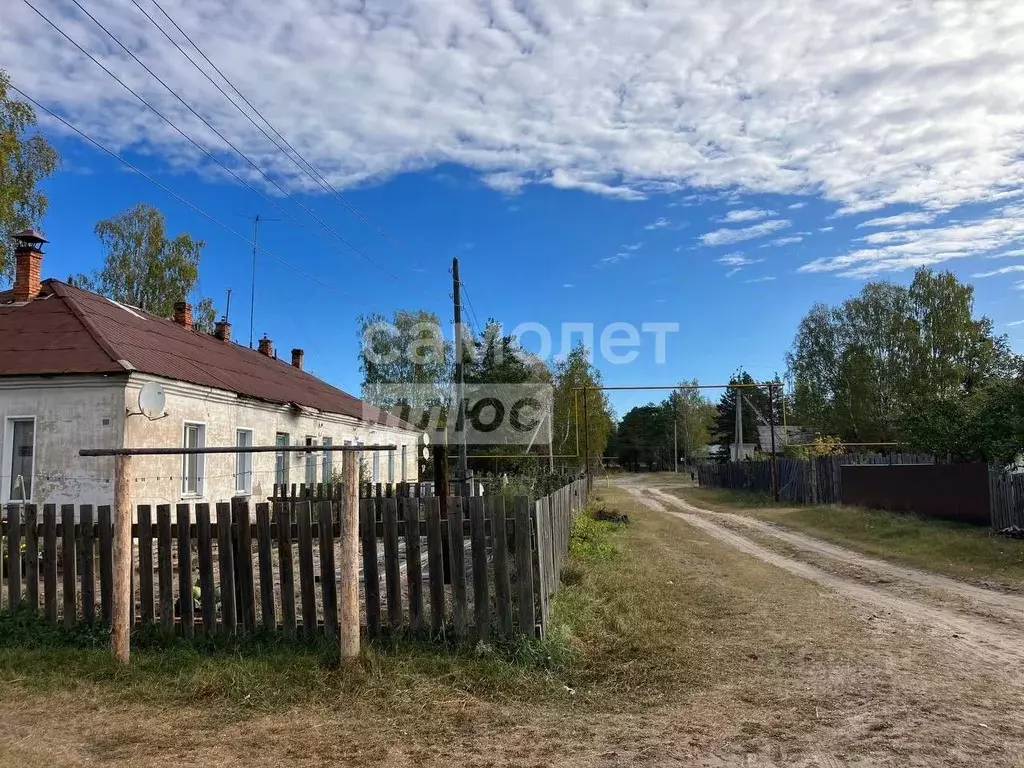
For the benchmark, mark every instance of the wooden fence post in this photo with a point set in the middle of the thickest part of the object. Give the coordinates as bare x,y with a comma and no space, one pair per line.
348,603
121,604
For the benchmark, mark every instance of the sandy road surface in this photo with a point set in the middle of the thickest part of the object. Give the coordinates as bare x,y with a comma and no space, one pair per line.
997,644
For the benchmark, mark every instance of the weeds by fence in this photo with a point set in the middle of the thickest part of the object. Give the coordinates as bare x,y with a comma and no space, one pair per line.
237,568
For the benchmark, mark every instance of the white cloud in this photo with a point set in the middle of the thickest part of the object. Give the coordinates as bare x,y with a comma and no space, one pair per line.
625,253
765,279
737,260
900,220
727,236
868,104
797,206
788,240
1001,271
660,223
749,214
1015,323
825,229
1019,285
733,271
1012,253
897,250
568,285
633,247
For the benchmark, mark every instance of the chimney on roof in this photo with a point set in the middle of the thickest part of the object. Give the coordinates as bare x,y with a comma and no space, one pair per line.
222,329
297,355
28,265
266,346
183,314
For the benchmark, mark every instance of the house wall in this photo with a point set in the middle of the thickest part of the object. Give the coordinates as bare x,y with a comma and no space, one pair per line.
158,479
71,412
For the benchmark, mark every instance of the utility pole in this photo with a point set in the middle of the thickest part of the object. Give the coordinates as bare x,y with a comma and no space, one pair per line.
675,445
771,426
460,382
255,247
739,425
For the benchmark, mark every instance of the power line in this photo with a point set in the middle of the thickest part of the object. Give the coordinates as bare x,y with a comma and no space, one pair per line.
311,170
178,197
472,311
169,122
207,123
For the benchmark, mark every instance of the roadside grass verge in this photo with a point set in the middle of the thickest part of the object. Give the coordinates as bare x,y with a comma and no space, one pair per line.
962,551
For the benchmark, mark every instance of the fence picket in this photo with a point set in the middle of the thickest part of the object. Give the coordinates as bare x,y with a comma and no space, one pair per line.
285,568
31,558
499,549
163,566
146,593
13,557
186,606
50,561
435,563
226,569
328,579
69,562
478,539
303,513
457,550
88,563
410,509
524,566
264,547
392,566
106,539
371,575
244,580
207,593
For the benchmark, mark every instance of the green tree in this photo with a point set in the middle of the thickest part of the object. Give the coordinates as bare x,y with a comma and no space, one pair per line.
25,161
570,375
144,268
694,416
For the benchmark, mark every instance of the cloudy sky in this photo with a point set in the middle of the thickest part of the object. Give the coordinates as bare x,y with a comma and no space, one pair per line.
720,163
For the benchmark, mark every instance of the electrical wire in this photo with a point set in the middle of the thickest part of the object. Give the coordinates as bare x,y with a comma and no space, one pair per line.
207,123
472,311
183,200
306,166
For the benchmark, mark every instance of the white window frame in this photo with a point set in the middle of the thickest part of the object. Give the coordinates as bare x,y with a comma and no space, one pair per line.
6,469
200,460
405,456
309,473
391,467
243,463
283,477
327,465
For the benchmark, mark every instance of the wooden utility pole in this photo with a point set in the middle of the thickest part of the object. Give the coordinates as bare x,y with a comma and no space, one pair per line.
121,606
460,383
348,602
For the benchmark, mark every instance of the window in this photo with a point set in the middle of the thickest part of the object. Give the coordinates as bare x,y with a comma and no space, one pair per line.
391,466
310,463
281,459
192,463
327,470
376,467
20,463
405,450
243,463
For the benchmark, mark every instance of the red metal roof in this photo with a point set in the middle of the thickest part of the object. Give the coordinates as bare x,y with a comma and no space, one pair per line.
67,330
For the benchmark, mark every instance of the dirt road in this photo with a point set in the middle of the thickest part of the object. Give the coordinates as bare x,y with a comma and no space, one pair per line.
950,612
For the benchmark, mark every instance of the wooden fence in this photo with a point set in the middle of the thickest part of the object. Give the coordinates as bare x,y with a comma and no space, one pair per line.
802,481
235,568
1006,490
554,515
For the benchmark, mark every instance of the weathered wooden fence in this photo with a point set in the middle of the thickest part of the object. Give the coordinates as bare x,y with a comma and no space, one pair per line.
237,568
1006,490
802,481
554,516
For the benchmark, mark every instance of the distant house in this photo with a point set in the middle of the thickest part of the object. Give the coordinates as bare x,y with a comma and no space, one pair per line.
783,436
718,451
72,364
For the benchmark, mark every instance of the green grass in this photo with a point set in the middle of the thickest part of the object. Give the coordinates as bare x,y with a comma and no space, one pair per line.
959,550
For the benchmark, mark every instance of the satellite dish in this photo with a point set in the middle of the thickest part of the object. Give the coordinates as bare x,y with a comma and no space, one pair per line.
425,439
425,453
152,400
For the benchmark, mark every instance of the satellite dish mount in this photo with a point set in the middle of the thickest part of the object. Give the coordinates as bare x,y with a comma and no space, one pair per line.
151,401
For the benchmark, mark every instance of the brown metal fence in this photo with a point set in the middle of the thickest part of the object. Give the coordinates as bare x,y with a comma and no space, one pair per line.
948,491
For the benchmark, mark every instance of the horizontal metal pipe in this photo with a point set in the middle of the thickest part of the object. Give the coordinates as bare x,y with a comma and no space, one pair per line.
233,449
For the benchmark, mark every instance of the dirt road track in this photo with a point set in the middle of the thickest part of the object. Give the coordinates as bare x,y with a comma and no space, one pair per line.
996,644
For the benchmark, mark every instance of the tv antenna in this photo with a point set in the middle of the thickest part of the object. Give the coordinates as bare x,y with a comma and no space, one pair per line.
255,247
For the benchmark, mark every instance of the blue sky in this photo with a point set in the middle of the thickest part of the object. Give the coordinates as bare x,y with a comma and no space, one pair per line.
583,164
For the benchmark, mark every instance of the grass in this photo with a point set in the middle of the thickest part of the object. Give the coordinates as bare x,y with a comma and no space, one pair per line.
961,551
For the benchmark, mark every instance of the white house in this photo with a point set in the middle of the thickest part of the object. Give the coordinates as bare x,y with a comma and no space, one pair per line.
72,364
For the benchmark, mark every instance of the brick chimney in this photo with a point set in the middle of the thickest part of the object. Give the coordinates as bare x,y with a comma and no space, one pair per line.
183,314
222,329
297,355
266,346
28,265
